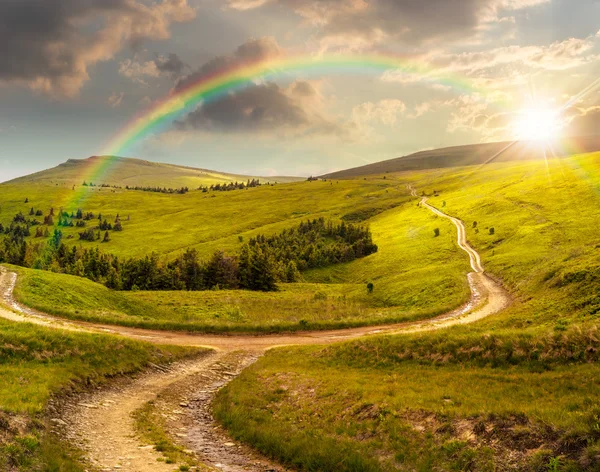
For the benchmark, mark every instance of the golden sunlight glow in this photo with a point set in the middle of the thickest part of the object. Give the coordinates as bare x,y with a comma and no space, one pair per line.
537,124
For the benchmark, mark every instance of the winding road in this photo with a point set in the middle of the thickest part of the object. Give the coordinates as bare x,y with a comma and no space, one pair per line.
102,425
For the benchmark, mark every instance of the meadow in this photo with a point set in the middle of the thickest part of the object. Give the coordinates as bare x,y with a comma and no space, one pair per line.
459,404
37,364
169,224
415,276
516,391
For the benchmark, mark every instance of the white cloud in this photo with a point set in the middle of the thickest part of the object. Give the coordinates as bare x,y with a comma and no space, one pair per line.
115,99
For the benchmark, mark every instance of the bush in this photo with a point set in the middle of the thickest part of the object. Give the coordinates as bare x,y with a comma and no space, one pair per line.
492,231
436,232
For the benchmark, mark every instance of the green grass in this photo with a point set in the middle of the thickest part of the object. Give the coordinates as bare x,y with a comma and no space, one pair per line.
168,224
546,238
416,403
38,363
135,172
415,276
516,391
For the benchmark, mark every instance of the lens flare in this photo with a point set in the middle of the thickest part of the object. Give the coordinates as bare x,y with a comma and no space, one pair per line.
539,123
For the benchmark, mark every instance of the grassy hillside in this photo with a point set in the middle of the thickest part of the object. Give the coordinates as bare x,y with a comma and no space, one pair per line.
516,391
438,402
545,240
415,276
37,363
168,224
471,155
136,172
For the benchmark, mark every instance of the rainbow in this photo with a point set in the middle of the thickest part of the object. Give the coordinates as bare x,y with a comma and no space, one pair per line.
163,112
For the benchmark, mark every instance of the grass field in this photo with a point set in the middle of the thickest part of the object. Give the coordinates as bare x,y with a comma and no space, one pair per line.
135,172
168,224
516,391
38,363
457,405
545,240
415,276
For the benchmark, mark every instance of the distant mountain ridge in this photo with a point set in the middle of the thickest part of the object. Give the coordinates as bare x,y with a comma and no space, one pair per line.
470,155
137,172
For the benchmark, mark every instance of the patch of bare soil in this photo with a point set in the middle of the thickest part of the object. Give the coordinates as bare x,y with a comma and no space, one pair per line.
185,406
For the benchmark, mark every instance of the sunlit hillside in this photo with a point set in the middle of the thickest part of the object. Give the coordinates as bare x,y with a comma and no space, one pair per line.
475,155
136,172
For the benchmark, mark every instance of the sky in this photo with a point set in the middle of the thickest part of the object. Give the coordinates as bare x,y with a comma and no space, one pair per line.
74,73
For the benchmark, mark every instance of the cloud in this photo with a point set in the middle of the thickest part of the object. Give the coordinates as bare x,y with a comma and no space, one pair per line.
384,112
500,68
583,121
255,49
50,45
266,108
138,71
115,99
171,65
365,22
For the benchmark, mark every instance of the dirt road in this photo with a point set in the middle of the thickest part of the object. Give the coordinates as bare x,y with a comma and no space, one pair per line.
102,424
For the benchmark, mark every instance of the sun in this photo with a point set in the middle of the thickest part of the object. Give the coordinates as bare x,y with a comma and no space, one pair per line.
542,124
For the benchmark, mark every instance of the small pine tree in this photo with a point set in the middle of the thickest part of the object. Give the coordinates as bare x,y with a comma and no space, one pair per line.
492,231
31,212
26,200
436,232
370,287
106,237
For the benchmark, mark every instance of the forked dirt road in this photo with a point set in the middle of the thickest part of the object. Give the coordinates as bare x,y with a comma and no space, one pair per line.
101,424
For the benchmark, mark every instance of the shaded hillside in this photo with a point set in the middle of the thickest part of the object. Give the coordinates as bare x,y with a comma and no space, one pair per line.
469,155
137,172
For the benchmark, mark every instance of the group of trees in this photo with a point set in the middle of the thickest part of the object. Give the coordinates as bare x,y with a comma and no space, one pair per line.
180,191
21,226
251,183
260,265
91,184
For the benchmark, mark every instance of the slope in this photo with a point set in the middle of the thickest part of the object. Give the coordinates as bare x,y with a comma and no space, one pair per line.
471,155
137,172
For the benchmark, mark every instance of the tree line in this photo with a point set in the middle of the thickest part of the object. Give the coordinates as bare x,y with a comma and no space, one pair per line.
178,191
261,264
250,183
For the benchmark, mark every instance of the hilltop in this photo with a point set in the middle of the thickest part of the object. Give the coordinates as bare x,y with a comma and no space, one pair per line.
471,155
138,172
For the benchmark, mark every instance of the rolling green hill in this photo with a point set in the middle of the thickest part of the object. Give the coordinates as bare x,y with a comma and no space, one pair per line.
516,391
137,172
169,223
472,155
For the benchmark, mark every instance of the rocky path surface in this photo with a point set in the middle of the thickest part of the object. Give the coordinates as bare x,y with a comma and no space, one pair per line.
101,423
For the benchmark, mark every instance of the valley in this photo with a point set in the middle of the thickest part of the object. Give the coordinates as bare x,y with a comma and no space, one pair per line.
379,349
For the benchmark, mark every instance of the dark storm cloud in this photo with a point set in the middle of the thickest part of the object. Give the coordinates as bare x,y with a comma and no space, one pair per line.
264,108
296,109
251,50
172,65
49,45
257,107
